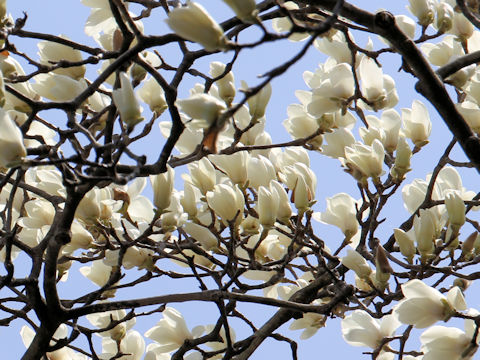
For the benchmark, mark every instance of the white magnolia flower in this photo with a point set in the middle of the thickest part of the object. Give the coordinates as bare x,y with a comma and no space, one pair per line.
341,212
64,353
260,171
406,242
174,216
284,211
162,185
267,206
335,46
291,175
204,108
97,272
403,154
202,175
335,89
134,257
425,226
152,94
302,196
440,53
360,329
97,205
193,23
300,124
365,161
100,18
309,322
258,102
284,24
58,87
201,234
389,123
444,18
455,208
377,88
234,165
447,343
406,24
244,9
356,262
471,113
51,52
171,332
423,305
226,84
416,123
424,11
126,102
226,201
336,142
462,27
12,150
132,344
104,320
217,346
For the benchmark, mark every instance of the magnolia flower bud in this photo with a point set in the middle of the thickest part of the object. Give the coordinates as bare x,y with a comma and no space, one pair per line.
12,150
126,102
406,244
462,27
462,284
402,159
383,271
3,9
406,24
162,185
260,171
469,245
189,199
284,211
226,84
444,20
356,262
244,9
193,23
152,94
267,206
424,226
258,102
456,210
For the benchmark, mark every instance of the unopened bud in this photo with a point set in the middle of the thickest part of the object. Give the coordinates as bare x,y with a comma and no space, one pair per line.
469,244
463,284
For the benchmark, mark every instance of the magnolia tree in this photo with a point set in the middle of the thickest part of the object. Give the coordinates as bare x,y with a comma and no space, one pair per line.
78,197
